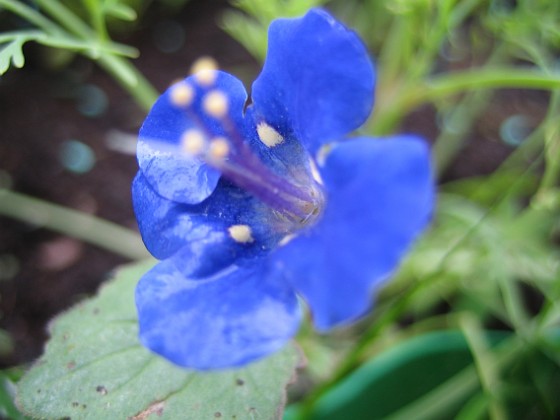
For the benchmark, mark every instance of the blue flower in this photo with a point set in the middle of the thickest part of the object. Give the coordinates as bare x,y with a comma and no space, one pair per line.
250,204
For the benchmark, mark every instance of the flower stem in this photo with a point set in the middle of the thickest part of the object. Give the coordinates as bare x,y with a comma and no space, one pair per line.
486,78
30,15
485,362
551,133
66,18
387,118
459,124
130,78
91,229
120,68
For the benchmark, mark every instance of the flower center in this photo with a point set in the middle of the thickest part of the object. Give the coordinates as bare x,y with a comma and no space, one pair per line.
296,196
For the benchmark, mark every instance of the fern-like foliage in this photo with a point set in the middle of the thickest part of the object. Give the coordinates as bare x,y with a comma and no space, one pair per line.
56,25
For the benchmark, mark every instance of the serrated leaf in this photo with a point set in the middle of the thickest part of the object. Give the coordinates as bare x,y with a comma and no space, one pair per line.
94,367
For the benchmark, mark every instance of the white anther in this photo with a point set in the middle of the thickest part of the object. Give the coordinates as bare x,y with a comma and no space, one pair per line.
181,94
268,135
193,142
216,104
205,70
241,233
219,149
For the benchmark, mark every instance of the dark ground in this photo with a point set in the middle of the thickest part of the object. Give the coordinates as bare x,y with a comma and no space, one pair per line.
42,272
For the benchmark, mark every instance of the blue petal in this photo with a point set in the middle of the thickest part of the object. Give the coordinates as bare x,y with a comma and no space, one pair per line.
175,175
200,232
317,80
380,197
222,321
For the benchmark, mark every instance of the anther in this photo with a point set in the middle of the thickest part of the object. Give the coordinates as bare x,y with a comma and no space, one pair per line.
181,94
205,70
241,233
216,104
268,135
219,149
193,142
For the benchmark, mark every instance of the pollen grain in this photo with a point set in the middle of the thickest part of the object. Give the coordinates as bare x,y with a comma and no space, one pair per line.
219,149
216,104
205,70
193,142
241,233
181,94
268,135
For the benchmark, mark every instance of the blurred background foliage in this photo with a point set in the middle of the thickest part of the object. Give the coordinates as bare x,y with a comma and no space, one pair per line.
470,326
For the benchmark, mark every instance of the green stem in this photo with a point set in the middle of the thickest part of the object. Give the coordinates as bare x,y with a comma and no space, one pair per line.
125,73
514,305
388,117
67,18
131,79
73,223
31,16
551,134
95,10
485,363
458,125
487,78
462,118
31,35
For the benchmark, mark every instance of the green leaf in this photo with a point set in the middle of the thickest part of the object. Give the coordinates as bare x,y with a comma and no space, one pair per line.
94,367
120,11
12,53
401,376
7,390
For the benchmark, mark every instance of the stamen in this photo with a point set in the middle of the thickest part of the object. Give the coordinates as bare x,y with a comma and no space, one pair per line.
205,70
225,148
268,135
218,150
216,104
193,142
181,94
241,233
